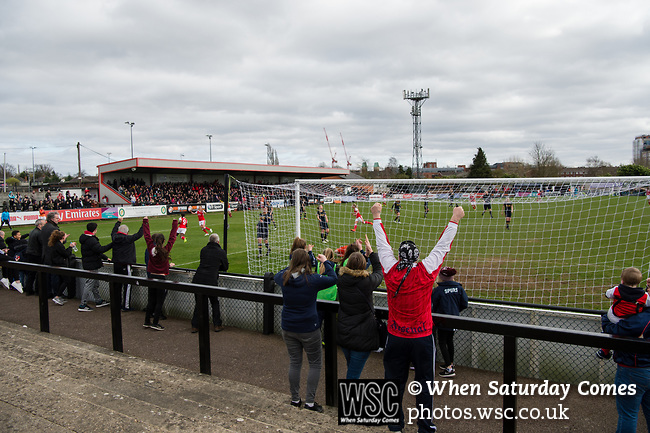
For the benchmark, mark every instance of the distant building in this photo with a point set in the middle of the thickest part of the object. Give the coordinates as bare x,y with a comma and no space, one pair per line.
641,150
605,170
510,166
574,172
430,170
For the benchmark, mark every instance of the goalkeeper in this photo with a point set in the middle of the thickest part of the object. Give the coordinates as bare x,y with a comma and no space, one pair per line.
408,287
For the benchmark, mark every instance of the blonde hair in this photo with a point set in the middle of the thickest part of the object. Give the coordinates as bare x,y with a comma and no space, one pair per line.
329,254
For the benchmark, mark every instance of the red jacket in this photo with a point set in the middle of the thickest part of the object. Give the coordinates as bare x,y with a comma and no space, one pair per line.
158,265
627,300
409,313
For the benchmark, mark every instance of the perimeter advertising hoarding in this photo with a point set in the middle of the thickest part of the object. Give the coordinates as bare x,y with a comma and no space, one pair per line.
23,218
140,211
182,208
86,214
277,203
93,213
214,207
66,215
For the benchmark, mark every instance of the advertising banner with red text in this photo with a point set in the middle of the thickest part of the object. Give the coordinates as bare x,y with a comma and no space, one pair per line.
67,215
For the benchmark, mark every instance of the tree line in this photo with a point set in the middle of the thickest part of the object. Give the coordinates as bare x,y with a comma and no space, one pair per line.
543,162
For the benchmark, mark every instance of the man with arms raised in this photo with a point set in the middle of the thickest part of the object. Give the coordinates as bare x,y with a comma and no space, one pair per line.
408,287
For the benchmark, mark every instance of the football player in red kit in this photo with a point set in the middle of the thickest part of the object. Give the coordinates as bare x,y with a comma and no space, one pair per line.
200,213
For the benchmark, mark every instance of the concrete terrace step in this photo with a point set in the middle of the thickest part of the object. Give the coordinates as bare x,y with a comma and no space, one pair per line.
53,384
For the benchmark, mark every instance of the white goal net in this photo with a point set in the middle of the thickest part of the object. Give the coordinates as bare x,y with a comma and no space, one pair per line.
567,239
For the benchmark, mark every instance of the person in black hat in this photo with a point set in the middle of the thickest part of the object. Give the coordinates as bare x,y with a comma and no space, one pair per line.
448,297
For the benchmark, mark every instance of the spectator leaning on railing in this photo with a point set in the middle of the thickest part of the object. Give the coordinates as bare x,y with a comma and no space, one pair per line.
632,372
124,256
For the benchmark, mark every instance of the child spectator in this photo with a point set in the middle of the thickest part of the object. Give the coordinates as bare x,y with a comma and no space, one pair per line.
158,269
448,297
627,299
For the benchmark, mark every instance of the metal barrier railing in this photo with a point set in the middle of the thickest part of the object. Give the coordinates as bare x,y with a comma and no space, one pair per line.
510,332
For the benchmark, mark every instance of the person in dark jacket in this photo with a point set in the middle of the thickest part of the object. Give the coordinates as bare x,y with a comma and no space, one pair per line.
300,324
92,256
213,260
124,256
157,268
58,255
632,372
5,271
51,224
448,297
16,244
33,254
357,327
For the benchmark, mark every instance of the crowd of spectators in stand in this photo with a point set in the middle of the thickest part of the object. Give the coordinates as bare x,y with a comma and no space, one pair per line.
22,203
141,194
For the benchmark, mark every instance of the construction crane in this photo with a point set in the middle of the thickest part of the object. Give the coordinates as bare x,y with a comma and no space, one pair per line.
333,155
347,158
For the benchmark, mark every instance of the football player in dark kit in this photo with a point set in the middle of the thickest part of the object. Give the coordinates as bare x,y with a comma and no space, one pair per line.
507,211
397,207
263,231
323,222
487,204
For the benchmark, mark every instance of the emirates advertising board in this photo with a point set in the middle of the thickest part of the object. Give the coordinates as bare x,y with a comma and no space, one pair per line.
89,214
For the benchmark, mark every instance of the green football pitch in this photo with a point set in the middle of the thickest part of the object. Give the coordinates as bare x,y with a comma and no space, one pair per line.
184,254
555,253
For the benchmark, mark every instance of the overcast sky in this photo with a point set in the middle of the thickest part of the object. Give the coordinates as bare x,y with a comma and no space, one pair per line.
572,74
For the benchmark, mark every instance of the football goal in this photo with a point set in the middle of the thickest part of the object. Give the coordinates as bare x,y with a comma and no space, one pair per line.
552,241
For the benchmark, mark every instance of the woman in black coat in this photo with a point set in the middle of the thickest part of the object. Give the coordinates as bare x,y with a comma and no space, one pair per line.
58,255
357,327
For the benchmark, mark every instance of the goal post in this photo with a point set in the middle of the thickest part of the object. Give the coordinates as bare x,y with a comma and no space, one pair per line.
551,241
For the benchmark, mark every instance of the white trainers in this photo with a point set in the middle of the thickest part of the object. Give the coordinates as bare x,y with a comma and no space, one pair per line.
5,282
17,286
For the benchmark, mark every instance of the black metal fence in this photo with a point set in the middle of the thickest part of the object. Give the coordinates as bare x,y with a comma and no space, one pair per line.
511,334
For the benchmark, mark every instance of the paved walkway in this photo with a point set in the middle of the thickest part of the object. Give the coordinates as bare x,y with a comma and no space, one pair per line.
70,380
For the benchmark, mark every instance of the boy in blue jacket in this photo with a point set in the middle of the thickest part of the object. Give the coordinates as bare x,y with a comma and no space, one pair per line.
448,298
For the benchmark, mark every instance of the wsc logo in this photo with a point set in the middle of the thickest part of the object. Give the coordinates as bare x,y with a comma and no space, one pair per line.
368,401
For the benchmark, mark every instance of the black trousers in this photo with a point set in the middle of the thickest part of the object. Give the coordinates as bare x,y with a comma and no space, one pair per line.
155,302
125,289
30,276
446,345
216,311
